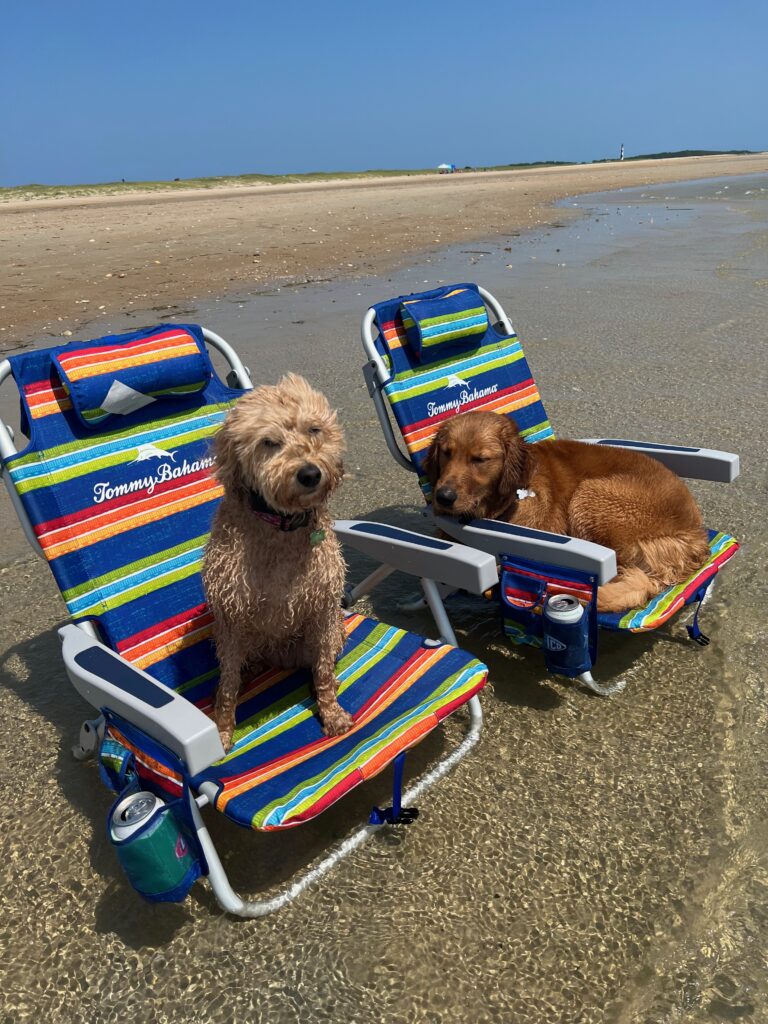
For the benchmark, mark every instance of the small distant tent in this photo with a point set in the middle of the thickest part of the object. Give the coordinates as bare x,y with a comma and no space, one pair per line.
446,168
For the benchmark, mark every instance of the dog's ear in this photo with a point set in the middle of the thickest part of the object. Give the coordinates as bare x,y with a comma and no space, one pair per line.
227,468
431,464
518,461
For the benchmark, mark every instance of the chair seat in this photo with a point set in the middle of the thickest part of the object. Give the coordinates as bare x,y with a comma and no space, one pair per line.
283,771
640,620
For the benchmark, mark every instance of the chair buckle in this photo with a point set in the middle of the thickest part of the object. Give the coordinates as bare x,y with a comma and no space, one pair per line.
698,637
386,816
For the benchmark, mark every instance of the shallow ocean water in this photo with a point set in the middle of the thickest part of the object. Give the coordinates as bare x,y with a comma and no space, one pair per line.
592,860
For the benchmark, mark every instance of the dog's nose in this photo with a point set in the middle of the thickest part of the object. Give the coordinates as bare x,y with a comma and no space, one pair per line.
309,475
446,496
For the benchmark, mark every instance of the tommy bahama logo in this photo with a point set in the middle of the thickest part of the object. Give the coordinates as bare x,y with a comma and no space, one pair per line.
464,397
151,451
165,471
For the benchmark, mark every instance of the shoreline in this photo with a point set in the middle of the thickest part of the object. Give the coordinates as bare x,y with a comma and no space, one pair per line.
73,259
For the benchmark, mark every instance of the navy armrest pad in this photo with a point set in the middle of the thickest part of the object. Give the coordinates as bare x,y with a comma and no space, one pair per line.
112,669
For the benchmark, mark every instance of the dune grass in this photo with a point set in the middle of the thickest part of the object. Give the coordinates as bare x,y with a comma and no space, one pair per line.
34,191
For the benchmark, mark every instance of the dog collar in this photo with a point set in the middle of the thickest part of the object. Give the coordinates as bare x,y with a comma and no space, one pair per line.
281,522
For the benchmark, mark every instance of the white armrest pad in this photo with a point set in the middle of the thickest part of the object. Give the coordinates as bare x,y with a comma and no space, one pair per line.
427,557
539,545
108,681
694,463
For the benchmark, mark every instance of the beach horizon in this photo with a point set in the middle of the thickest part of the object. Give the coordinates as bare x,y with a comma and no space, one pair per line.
75,258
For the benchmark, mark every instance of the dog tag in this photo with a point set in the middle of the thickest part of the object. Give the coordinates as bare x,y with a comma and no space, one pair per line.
316,537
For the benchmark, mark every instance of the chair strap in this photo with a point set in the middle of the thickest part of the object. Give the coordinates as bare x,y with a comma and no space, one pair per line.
694,631
396,814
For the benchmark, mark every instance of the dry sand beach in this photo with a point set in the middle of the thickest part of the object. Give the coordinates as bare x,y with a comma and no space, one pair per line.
68,260
593,861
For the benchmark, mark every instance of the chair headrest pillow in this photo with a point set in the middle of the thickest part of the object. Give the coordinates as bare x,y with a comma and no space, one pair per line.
434,326
120,374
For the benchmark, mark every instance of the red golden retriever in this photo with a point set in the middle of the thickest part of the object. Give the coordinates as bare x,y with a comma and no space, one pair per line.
480,467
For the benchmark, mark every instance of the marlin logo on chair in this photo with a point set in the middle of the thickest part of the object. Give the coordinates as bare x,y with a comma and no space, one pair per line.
151,451
454,381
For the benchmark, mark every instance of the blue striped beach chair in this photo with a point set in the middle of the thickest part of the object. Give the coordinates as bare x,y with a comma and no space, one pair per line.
453,349
114,489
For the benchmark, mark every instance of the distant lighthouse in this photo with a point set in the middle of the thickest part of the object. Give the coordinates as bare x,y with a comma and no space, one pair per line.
621,154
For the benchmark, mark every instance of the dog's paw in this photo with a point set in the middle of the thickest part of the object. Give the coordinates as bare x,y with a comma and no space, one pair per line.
226,739
336,721
226,729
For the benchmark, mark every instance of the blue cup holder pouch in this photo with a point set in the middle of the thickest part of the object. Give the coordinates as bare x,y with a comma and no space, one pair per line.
154,844
568,631
566,636
522,602
154,839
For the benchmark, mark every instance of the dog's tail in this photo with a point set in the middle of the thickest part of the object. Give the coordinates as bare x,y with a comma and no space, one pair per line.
659,563
632,588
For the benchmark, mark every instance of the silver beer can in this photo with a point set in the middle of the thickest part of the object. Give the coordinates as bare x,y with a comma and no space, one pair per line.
133,812
563,608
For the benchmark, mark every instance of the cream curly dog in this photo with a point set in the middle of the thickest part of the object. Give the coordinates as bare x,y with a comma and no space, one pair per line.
273,570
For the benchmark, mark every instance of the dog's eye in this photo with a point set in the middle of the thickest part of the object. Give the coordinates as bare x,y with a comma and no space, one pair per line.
315,430
479,458
447,452
269,443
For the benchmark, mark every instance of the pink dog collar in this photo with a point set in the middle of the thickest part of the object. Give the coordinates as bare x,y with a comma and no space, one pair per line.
283,523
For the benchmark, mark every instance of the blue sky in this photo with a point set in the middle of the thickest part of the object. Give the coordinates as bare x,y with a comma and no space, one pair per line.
163,89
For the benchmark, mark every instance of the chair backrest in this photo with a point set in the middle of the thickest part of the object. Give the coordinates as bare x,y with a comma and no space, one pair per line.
116,482
445,356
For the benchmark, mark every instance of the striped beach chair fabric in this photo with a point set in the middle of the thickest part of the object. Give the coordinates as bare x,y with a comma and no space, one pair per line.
661,608
116,481
445,357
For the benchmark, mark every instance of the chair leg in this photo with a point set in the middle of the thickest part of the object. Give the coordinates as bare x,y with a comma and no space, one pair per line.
234,904
600,689
417,604
352,594
412,604
434,600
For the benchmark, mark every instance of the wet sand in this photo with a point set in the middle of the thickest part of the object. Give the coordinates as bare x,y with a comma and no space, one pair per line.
593,860
69,260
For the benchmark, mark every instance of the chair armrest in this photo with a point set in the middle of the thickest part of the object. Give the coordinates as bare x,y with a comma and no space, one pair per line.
556,549
694,463
427,557
109,682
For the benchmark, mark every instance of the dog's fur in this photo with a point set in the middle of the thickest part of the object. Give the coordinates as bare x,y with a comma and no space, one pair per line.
612,496
276,596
